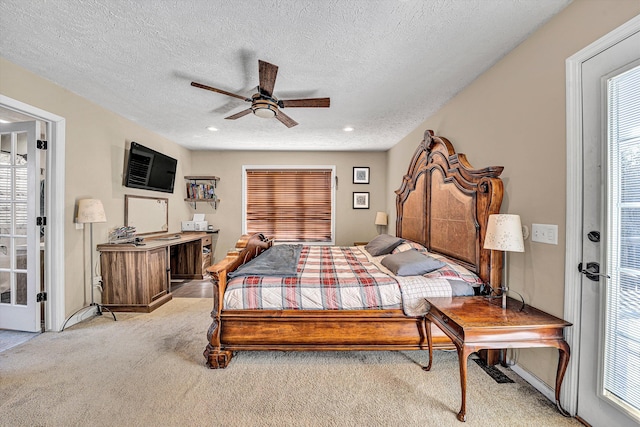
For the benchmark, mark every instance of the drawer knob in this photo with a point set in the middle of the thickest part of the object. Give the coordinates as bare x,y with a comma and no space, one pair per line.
445,319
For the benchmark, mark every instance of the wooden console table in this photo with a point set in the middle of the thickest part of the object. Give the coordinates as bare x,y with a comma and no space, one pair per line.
475,323
138,277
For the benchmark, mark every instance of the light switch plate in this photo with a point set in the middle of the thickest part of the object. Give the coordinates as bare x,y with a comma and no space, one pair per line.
544,233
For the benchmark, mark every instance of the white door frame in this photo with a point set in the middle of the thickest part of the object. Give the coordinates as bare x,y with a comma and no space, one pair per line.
55,176
573,221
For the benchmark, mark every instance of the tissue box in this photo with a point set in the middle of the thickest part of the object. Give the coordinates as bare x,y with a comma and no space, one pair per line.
188,226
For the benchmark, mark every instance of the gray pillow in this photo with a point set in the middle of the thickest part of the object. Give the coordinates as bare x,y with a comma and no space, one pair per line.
411,263
383,244
460,288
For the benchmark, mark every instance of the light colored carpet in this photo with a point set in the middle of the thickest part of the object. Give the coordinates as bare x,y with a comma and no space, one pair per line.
148,369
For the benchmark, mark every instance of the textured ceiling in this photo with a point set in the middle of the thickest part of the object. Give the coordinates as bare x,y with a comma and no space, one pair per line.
387,65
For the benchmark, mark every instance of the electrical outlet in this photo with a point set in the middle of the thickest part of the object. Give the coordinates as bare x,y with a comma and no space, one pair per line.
544,233
97,280
79,226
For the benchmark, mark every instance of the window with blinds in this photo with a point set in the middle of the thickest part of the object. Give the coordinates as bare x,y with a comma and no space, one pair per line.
290,204
622,339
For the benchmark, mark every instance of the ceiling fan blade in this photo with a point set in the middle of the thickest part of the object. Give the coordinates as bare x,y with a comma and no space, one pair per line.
224,92
240,114
267,73
307,102
286,120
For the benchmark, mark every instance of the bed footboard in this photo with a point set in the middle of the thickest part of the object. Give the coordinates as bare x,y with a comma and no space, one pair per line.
247,248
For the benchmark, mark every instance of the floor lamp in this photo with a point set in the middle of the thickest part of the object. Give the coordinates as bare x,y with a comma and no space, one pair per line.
90,211
504,233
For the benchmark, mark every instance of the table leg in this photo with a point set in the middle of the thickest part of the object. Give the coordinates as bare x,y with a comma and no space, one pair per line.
563,361
427,324
463,354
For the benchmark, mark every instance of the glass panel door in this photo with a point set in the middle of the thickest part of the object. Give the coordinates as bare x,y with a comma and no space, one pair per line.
621,382
19,235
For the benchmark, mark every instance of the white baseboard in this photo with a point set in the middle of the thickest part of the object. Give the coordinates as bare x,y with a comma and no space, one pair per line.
535,382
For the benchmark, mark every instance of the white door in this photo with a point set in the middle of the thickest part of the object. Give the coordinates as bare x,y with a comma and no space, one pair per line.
19,234
609,356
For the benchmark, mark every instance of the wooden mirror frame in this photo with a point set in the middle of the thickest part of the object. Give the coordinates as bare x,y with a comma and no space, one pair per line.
149,215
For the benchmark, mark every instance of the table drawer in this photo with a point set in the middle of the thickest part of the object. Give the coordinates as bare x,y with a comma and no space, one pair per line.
452,326
447,325
206,240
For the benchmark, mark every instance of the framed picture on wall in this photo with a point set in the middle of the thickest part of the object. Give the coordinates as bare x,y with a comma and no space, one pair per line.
361,200
360,175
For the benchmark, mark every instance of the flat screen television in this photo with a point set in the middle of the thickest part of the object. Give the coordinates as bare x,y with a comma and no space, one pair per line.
150,170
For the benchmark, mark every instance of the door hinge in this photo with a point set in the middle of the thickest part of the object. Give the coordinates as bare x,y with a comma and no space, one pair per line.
41,221
41,296
42,145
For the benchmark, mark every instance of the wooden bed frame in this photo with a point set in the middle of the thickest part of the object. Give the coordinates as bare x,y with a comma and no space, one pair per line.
443,203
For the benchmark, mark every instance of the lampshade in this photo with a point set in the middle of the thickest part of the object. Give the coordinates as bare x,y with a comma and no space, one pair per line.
381,218
504,233
90,210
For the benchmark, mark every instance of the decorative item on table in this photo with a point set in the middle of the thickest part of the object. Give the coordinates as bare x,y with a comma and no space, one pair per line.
504,233
122,235
381,221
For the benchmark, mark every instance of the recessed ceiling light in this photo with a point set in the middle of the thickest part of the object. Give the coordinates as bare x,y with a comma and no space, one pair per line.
348,129
212,129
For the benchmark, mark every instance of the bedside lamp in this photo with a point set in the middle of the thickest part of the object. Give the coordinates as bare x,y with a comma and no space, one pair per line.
504,233
90,211
381,221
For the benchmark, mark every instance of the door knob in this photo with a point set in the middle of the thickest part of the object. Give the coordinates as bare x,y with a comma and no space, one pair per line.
592,271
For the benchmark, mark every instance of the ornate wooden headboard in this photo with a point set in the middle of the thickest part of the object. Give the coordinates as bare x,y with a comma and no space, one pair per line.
444,204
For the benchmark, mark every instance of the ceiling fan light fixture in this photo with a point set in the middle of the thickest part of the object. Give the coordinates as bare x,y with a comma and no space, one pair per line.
265,113
264,104
264,108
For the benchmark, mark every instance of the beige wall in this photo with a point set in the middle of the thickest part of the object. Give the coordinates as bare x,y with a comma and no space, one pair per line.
351,224
514,116
96,140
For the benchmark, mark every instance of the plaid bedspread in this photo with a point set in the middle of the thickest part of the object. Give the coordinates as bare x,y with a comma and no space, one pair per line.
329,277
344,278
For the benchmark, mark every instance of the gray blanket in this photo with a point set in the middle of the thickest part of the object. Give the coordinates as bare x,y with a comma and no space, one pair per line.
279,260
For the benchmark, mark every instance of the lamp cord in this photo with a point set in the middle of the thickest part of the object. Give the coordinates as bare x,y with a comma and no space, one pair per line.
488,293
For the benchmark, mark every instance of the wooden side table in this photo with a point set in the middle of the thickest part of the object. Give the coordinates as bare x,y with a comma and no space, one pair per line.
475,323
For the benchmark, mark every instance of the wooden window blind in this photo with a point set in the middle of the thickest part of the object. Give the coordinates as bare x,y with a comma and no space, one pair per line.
290,204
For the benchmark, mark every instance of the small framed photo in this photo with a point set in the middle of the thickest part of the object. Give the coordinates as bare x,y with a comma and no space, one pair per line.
360,175
361,200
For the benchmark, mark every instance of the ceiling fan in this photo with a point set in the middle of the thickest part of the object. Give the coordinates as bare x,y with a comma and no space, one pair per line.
263,103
